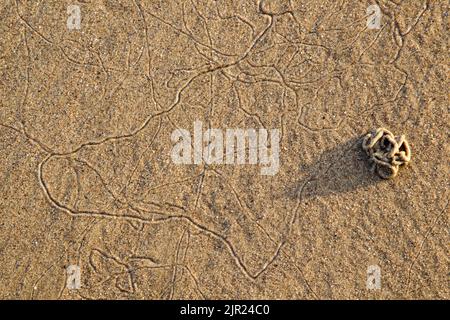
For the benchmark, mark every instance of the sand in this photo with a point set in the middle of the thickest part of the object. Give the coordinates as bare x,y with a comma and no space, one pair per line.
87,180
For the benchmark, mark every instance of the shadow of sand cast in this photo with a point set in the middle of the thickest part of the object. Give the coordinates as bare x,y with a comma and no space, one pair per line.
343,169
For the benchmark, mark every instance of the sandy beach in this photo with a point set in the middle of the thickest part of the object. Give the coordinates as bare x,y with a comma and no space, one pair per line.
213,149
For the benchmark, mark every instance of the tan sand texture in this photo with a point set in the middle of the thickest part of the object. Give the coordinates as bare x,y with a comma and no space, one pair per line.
87,178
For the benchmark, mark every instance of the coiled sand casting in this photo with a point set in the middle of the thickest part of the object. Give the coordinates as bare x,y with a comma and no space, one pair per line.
386,152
